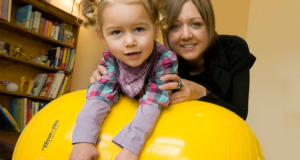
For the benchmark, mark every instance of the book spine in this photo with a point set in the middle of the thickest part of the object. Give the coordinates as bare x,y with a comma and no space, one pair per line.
42,23
46,26
9,10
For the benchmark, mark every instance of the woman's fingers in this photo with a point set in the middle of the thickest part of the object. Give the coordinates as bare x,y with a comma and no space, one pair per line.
171,77
169,86
178,100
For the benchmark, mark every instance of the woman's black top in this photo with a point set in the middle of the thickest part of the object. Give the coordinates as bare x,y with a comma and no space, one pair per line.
226,74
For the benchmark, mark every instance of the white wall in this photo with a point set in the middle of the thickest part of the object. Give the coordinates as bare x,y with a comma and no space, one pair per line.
274,114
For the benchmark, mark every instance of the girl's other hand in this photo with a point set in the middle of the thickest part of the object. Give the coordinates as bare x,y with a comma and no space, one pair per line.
96,74
84,151
190,91
126,155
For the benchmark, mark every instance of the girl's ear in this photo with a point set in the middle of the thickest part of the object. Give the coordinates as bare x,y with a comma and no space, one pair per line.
156,30
100,35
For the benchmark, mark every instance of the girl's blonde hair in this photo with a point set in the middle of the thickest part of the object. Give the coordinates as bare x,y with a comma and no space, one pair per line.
169,11
88,8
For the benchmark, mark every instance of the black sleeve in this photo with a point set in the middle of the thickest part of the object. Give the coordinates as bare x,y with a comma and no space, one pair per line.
236,100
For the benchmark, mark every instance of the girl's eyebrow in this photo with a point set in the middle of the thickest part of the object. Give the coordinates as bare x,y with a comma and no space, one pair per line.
117,27
112,28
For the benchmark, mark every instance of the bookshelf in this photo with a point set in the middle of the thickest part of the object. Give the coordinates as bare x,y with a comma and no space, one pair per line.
33,43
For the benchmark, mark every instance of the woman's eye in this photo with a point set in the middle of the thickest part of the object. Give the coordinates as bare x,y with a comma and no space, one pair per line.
117,32
139,29
174,27
197,24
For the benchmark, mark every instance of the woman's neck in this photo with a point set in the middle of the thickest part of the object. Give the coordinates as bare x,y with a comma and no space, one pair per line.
199,66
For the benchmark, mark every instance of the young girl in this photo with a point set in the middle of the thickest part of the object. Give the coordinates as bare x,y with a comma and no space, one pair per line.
135,63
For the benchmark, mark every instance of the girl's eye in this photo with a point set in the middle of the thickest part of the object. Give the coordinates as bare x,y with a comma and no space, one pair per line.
197,24
174,27
117,32
139,29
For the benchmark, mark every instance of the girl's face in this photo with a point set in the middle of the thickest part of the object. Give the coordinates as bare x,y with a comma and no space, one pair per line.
188,37
128,32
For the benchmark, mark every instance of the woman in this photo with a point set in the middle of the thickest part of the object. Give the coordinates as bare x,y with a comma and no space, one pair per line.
212,68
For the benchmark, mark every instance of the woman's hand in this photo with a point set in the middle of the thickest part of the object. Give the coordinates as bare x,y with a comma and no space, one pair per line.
96,74
84,151
190,91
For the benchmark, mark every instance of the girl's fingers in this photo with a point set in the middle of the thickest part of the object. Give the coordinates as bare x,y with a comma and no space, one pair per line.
102,69
92,80
96,75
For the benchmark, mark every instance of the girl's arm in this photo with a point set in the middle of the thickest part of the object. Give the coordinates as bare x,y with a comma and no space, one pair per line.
133,136
101,95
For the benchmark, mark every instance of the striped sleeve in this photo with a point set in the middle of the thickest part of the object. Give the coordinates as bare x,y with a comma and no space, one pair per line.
107,88
166,64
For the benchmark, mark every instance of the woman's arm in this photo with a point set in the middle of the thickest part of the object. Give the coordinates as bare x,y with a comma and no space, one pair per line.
236,100
237,97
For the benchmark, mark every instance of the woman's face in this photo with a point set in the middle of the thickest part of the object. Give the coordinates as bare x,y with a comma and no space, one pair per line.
188,37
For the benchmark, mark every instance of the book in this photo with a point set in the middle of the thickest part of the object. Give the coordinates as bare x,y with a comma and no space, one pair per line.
13,107
7,121
63,58
4,47
67,59
37,84
23,16
56,85
69,85
49,29
47,84
9,10
56,32
56,62
36,22
20,113
46,26
73,60
31,20
42,23
42,105
51,57
3,9
28,114
24,120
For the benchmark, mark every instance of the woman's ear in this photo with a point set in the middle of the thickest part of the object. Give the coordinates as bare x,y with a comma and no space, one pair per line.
100,35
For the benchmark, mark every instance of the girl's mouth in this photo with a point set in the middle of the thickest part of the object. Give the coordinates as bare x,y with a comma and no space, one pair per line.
133,55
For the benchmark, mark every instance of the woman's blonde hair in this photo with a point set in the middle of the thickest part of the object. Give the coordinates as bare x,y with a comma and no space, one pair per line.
169,11
88,8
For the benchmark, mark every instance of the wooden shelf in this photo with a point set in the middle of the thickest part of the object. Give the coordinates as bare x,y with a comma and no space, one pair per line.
28,63
27,33
26,96
53,11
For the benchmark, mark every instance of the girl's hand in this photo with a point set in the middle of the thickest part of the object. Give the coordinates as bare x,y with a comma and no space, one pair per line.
84,151
190,91
126,155
96,75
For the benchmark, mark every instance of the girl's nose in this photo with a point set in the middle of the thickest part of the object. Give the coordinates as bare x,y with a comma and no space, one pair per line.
130,40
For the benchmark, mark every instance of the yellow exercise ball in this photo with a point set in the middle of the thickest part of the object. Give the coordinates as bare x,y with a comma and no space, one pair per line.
192,130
